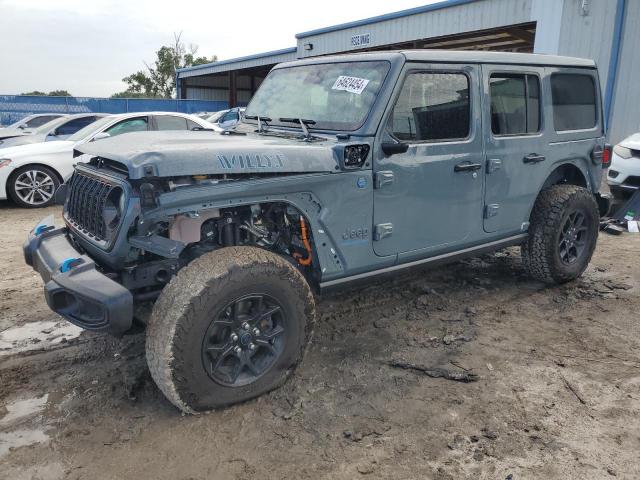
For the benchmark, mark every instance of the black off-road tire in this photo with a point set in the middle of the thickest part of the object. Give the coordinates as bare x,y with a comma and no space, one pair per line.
541,252
185,309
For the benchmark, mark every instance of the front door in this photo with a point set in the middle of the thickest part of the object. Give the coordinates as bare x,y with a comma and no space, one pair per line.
515,145
429,198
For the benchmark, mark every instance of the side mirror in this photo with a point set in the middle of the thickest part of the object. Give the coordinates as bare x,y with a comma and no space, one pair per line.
391,148
99,136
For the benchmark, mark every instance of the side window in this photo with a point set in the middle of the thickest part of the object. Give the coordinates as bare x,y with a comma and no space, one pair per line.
229,116
72,126
515,104
574,101
432,107
168,122
137,124
39,121
191,125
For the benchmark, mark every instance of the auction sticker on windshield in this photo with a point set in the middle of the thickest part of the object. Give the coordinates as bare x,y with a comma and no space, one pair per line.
350,84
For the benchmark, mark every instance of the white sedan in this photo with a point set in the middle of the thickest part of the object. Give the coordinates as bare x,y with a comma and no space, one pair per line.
30,174
624,174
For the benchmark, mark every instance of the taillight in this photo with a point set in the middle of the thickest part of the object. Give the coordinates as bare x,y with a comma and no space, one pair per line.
606,156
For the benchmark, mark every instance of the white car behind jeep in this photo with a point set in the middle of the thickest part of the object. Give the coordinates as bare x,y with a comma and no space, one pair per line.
624,174
30,174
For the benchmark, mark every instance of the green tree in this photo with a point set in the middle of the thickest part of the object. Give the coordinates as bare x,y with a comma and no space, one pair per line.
59,93
159,80
53,93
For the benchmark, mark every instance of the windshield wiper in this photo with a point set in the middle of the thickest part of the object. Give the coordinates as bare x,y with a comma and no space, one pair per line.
303,124
260,119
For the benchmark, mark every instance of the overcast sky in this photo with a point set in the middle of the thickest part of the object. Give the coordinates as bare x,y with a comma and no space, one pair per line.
88,46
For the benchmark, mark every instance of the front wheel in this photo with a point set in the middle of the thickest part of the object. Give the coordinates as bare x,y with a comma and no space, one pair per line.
562,235
33,186
230,326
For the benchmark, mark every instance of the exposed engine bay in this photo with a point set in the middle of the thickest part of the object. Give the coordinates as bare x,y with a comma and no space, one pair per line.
277,227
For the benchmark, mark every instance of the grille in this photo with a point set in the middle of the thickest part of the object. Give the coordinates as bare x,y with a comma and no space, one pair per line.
88,200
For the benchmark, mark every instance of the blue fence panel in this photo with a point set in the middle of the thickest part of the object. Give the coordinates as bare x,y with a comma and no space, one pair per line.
16,107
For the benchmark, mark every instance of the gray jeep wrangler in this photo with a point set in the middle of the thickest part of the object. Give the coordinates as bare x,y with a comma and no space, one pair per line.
343,168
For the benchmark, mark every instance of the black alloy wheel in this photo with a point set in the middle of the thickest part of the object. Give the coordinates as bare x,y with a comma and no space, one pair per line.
244,340
572,240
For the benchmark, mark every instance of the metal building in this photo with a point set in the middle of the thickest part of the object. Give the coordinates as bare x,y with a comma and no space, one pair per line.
602,30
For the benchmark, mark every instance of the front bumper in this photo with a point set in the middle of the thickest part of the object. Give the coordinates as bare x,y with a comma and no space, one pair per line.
4,178
624,175
74,288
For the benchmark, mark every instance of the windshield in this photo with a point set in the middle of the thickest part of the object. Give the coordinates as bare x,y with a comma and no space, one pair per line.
337,96
90,129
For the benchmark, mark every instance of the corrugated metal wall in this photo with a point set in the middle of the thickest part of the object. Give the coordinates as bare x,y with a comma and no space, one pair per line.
626,101
478,15
258,60
588,33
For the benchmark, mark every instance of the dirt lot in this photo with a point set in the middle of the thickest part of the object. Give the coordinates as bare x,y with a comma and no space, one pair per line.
557,394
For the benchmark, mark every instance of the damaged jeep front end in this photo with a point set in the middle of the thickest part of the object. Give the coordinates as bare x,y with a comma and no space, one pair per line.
124,238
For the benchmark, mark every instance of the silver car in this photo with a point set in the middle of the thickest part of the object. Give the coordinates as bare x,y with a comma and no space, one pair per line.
57,129
34,121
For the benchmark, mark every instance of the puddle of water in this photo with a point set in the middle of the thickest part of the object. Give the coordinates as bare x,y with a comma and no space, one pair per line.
36,336
20,410
21,425
21,438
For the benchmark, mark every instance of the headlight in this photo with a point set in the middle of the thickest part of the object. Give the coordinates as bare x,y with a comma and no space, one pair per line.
622,152
4,162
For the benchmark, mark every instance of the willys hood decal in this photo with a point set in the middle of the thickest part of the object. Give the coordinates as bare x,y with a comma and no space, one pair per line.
170,154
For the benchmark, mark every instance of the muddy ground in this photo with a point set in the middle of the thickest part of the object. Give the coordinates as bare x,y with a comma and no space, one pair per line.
557,394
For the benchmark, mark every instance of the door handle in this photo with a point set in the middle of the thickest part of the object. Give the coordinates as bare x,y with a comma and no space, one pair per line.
534,158
467,167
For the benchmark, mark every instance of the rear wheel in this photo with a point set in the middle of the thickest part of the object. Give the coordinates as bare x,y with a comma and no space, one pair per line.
33,186
230,326
562,235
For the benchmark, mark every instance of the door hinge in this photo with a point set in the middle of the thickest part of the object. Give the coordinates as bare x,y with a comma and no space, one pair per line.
491,210
384,177
382,230
493,164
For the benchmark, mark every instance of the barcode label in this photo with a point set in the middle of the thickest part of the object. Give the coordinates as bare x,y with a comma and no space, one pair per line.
350,84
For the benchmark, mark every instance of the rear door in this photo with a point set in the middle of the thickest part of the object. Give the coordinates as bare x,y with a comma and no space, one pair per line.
515,144
429,198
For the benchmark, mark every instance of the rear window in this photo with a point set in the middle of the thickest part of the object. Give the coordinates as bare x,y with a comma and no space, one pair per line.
169,122
39,121
574,101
